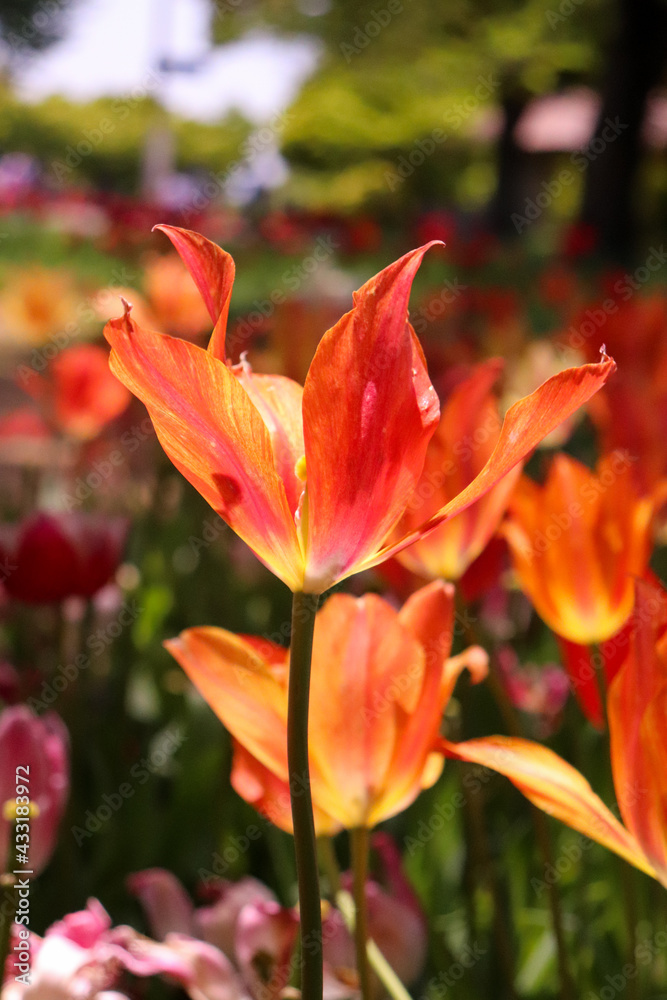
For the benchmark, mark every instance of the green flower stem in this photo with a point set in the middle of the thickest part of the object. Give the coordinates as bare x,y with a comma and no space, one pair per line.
540,824
543,838
304,607
329,864
345,904
359,844
377,961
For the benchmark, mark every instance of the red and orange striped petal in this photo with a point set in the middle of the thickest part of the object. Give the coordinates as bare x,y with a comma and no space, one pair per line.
462,444
526,423
214,435
369,411
637,710
554,786
212,270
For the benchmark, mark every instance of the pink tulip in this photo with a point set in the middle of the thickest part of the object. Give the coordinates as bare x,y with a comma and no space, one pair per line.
166,904
34,753
169,908
217,923
74,959
265,938
81,957
540,691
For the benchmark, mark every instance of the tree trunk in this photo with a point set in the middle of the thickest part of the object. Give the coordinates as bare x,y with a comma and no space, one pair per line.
509,197
635,62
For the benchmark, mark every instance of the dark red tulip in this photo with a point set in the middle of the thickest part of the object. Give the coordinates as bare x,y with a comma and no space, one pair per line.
50,556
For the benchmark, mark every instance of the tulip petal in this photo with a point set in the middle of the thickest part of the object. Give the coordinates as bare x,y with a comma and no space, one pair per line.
269,794
578,663
462,444
214,435
278,400
429,614
576,544
240,688
165,902
212,270
264,940
526,423
554,786
637,709
369,410
474,659
363,653
216,923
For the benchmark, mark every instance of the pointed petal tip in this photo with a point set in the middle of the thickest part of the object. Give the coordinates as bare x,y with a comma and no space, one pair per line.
477,662
165,228
425,247
443,586
474,659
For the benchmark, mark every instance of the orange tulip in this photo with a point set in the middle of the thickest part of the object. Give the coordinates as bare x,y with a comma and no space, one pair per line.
463,443
577,543
78,394
640,391
174,297
637,707
316,479
36,304
380,682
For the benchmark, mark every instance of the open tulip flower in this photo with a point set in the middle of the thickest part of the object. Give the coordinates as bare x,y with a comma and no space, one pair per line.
371,746
315,480
462,445
578,542
637,711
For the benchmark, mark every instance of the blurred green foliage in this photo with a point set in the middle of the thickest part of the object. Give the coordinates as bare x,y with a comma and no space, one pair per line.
103,142
393,75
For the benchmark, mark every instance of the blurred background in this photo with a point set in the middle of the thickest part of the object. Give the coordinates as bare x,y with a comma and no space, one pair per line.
492,114
316,141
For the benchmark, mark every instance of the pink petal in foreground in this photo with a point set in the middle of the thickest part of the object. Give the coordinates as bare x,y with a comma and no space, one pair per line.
554,786
164,900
